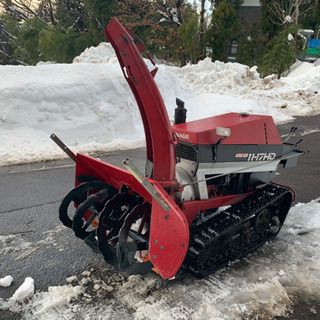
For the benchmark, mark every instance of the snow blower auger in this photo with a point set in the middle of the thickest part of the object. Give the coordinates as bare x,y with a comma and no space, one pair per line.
168,219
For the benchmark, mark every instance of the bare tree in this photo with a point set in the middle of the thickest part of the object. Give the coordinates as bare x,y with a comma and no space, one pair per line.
287,12
202,23
23,10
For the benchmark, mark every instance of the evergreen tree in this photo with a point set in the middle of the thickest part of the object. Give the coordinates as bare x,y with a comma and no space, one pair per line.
26,47
57,46
223,29
70,14
100,13
281,55
189,35
55,30
9,28
20,45
251,46
268,27
78,26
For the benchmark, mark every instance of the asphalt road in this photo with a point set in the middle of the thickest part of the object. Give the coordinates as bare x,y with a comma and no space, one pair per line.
34,243
305,177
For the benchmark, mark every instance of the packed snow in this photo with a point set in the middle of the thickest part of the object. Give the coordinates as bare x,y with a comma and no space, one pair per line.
87,103
91,108
6,281
25,291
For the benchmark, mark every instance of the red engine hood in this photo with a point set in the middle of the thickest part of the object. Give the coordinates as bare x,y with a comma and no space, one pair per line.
245,129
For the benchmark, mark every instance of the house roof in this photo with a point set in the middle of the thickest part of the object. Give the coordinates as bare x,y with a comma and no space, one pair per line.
251,3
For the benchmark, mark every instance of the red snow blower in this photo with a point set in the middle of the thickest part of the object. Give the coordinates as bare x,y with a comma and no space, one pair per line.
167,219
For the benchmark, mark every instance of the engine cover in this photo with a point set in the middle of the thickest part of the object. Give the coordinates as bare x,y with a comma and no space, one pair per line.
245,129
218,165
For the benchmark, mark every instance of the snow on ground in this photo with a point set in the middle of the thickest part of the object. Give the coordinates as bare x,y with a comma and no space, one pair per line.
300,68
260,286
89,105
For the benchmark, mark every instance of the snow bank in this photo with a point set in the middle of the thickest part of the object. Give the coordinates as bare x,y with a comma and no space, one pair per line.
73,102
89,105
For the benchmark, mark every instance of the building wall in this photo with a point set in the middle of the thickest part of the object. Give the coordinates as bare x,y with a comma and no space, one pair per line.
249,14
250,11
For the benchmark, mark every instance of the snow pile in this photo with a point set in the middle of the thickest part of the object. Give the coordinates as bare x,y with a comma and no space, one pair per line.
103,53
53,304
55,301
309,82
289,96
304,218
218,77
89,105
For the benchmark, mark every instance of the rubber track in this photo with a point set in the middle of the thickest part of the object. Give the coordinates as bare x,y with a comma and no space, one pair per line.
231,234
